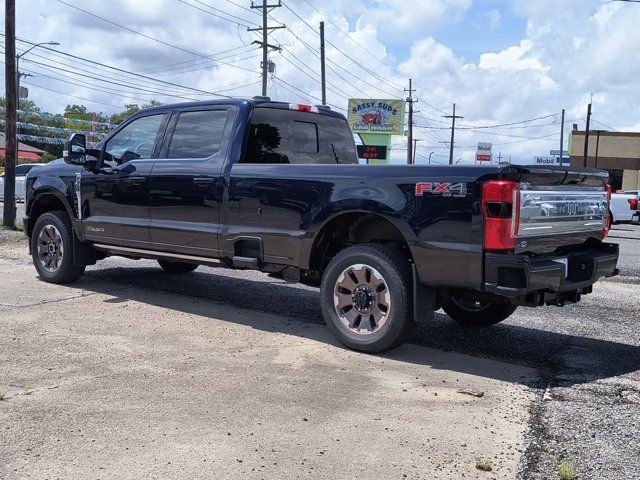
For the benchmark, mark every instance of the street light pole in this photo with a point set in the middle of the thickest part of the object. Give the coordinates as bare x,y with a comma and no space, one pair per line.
430,157
18,74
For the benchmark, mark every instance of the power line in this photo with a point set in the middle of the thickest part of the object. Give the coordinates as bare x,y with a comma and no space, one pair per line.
84,84
245,24
197,54
104,80
337,90
203,66
346,34
398,86
311,49
604,124
307,95
95,65
369,71
121,70
132,82
161,68
509,124
350,58
68,95
284,85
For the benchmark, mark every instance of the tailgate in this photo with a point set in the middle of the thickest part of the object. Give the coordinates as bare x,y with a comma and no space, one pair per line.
558,207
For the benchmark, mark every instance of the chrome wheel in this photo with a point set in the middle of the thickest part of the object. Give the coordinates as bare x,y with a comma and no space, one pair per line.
50,248
361,299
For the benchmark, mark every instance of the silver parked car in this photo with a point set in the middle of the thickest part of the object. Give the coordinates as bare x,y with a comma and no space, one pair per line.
21,175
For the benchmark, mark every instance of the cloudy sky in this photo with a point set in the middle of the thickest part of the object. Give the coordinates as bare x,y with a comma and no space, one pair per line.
501,62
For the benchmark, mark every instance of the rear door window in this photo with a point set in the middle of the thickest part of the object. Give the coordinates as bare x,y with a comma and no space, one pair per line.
197,134
286,136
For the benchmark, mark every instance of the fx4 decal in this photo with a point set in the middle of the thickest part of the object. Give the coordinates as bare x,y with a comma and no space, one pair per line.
442,189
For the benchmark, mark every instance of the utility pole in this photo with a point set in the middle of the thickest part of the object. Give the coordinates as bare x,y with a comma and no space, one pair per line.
265,29
11,115
453,130
598,132
323,77
410,137
415,146
586,136
18,76
562,138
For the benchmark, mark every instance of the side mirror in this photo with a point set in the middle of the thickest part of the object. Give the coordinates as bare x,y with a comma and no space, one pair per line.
75,149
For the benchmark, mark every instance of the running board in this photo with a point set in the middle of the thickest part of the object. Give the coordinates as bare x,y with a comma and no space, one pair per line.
153,253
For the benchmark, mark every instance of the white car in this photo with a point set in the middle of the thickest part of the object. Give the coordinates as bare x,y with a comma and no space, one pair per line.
21,175
623,206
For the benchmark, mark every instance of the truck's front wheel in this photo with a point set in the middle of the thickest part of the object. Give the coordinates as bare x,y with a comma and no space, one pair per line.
476,313
52,248
366,298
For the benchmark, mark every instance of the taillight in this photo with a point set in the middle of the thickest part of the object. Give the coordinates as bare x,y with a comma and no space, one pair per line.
303,108
633,203
501,212
607,221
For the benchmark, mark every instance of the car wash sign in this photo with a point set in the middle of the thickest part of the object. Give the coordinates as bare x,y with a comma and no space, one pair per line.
374,116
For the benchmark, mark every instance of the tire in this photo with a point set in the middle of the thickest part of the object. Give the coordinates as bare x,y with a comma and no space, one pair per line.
52,248
477,314
381,296
177,267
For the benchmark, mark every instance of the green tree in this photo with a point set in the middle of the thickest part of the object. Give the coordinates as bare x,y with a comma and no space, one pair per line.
152,103
75,109
25,104
130,109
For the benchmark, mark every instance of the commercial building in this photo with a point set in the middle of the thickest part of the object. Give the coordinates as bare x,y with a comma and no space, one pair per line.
26,153
616,152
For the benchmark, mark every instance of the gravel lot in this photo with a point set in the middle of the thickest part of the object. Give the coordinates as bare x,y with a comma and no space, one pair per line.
584,402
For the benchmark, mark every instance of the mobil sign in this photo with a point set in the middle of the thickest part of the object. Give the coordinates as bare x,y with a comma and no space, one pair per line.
546,160
484,152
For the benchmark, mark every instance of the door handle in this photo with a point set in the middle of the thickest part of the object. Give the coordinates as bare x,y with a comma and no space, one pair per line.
135,180
203,181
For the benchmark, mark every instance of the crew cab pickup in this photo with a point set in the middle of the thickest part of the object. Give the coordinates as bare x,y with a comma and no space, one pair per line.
276,187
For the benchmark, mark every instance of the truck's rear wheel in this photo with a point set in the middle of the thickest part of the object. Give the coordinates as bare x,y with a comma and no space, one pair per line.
366,298
477,313
177,267
52,248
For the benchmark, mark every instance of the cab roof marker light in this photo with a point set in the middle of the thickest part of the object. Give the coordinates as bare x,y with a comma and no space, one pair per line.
303,108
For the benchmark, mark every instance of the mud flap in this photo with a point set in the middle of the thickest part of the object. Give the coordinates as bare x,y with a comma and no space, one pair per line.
424,300
83,254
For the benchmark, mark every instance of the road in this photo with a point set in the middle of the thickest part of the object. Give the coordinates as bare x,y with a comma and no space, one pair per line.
564,382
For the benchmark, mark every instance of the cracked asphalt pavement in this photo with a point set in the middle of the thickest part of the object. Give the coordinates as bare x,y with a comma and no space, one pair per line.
566,380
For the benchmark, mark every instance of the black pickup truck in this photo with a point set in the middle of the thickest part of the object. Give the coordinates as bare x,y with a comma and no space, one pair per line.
276,187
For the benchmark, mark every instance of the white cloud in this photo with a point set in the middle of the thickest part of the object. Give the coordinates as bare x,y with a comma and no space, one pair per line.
513,59
569,50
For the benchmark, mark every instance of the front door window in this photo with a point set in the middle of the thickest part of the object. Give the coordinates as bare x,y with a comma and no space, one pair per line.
135,141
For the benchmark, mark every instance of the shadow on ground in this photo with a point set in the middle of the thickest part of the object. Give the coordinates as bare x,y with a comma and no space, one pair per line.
576,359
